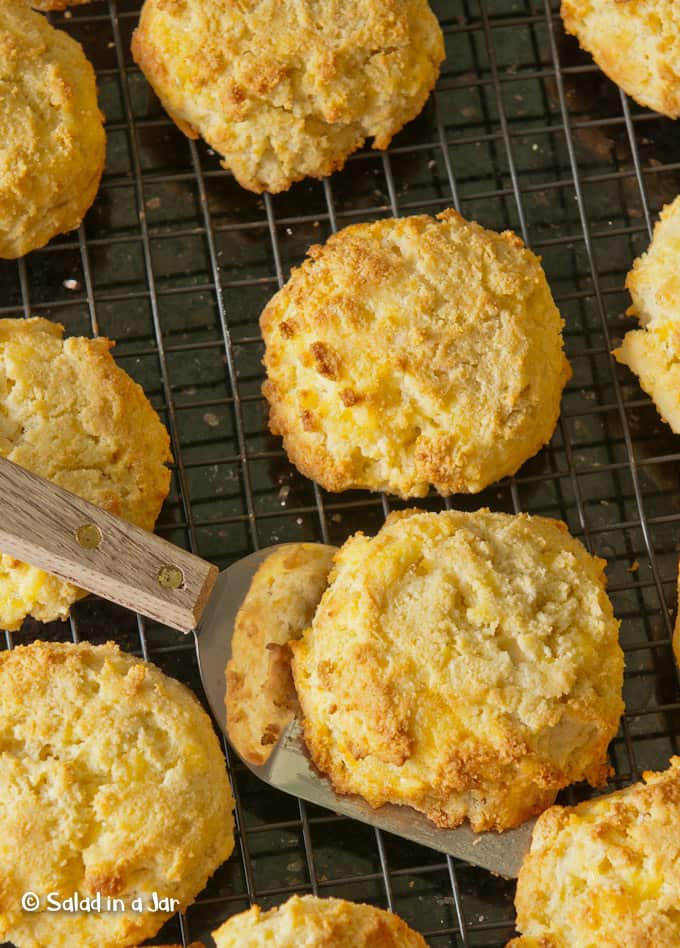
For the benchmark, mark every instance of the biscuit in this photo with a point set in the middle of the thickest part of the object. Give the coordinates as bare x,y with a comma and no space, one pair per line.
57,5
465,664
71,415
285,89
414,351
322,923
111,780
280,604
53,145
653,352
605,872
636,44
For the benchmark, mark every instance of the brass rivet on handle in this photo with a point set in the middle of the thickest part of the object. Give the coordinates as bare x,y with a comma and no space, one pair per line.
89,536
170,577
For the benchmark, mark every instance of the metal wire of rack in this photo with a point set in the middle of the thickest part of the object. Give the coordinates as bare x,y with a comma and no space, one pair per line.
175,261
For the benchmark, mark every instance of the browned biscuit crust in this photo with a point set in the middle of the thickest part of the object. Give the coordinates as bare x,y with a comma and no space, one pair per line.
606,872
413,352
465,664
52,146
278,607
112,781
317,923
636,43
71,415
47,5
285,89
653,350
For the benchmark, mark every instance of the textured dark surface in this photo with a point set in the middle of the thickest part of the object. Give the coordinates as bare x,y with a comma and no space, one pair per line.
175,261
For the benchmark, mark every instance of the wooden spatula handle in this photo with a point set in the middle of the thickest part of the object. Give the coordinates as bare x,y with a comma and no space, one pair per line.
50,528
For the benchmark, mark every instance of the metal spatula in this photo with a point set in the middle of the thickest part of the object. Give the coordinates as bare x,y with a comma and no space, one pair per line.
56,531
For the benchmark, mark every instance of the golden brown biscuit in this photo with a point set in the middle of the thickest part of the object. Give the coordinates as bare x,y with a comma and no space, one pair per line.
52,147
636,43
70,414
278,607
414,351
465,664
283,89
605,873
57,4
653,352
317,923
111,780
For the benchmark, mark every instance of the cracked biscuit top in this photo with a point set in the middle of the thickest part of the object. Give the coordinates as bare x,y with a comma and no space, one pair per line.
413,352
52,146
310,922
112,781
634,42
605,873
56,4
285,89
465,664
653,352
71,415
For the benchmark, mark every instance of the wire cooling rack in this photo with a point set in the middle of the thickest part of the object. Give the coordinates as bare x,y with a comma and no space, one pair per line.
176,261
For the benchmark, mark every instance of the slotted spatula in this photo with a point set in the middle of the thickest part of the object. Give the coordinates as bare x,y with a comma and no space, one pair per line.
56,531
